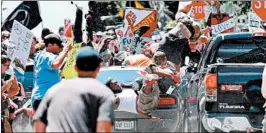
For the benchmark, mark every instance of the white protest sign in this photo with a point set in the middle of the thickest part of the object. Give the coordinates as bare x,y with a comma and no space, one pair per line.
219,28
255,29
254,20
21,37
129,42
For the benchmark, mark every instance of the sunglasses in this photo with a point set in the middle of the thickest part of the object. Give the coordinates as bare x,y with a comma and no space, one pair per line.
110,34
6,37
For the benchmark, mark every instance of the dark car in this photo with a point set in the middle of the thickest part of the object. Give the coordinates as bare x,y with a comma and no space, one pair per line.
227,85
170,109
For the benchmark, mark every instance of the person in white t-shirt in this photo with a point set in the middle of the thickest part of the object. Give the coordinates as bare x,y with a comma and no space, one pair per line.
126,99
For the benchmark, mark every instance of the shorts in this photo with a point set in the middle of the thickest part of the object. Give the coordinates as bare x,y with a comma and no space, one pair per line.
36,104
173,49
147,102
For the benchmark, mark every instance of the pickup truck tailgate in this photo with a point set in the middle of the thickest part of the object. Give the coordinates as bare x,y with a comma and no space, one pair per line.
239,88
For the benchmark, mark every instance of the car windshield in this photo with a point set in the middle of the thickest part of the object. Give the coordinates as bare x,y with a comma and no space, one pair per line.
122,76
239,51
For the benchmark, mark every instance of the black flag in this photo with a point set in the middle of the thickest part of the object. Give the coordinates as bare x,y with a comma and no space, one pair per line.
145,4
27,13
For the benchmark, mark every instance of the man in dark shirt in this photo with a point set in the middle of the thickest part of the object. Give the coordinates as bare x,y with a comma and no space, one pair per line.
82,104
175,44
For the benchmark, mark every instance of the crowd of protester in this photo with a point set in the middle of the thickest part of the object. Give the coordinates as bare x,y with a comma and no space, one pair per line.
163,57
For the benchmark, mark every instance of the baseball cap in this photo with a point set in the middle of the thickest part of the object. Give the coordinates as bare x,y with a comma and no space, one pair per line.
99,33
88,59
53,38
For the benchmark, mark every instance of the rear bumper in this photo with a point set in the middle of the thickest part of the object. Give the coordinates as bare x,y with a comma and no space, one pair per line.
226,122
171,121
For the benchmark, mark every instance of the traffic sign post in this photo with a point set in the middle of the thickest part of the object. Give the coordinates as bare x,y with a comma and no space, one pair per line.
259,7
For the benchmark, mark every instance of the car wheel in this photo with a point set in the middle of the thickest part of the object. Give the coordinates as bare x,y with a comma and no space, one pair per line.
201,127
186,124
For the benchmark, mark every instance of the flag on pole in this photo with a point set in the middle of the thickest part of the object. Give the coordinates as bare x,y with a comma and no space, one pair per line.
138,5
27,13
135,4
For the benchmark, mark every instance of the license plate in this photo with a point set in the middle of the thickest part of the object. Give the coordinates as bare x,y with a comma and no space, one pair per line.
125,125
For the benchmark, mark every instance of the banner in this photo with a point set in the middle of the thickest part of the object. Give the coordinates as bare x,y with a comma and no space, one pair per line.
138,23
27,13
21,38
219,28
69,70
254,20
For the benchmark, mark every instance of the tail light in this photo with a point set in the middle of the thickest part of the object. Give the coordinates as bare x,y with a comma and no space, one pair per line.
256,34
235,88
211,87
166,101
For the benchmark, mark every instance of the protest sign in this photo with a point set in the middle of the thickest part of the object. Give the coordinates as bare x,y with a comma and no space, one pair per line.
254,20
21,38
120,33
142,20
69,70
219,28
259,7
255,29
198,9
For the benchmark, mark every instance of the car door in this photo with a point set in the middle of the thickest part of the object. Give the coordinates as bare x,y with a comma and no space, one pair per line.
192,92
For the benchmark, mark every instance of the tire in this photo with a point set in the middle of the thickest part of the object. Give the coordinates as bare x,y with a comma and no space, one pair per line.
201,127
186,124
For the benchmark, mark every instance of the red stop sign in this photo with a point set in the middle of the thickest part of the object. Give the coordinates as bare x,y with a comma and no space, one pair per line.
198,10
259,7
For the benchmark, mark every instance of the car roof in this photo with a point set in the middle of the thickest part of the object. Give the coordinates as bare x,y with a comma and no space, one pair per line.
239,35
229,36
121,68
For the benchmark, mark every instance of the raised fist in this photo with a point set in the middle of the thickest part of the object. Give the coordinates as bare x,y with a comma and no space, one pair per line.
131,18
